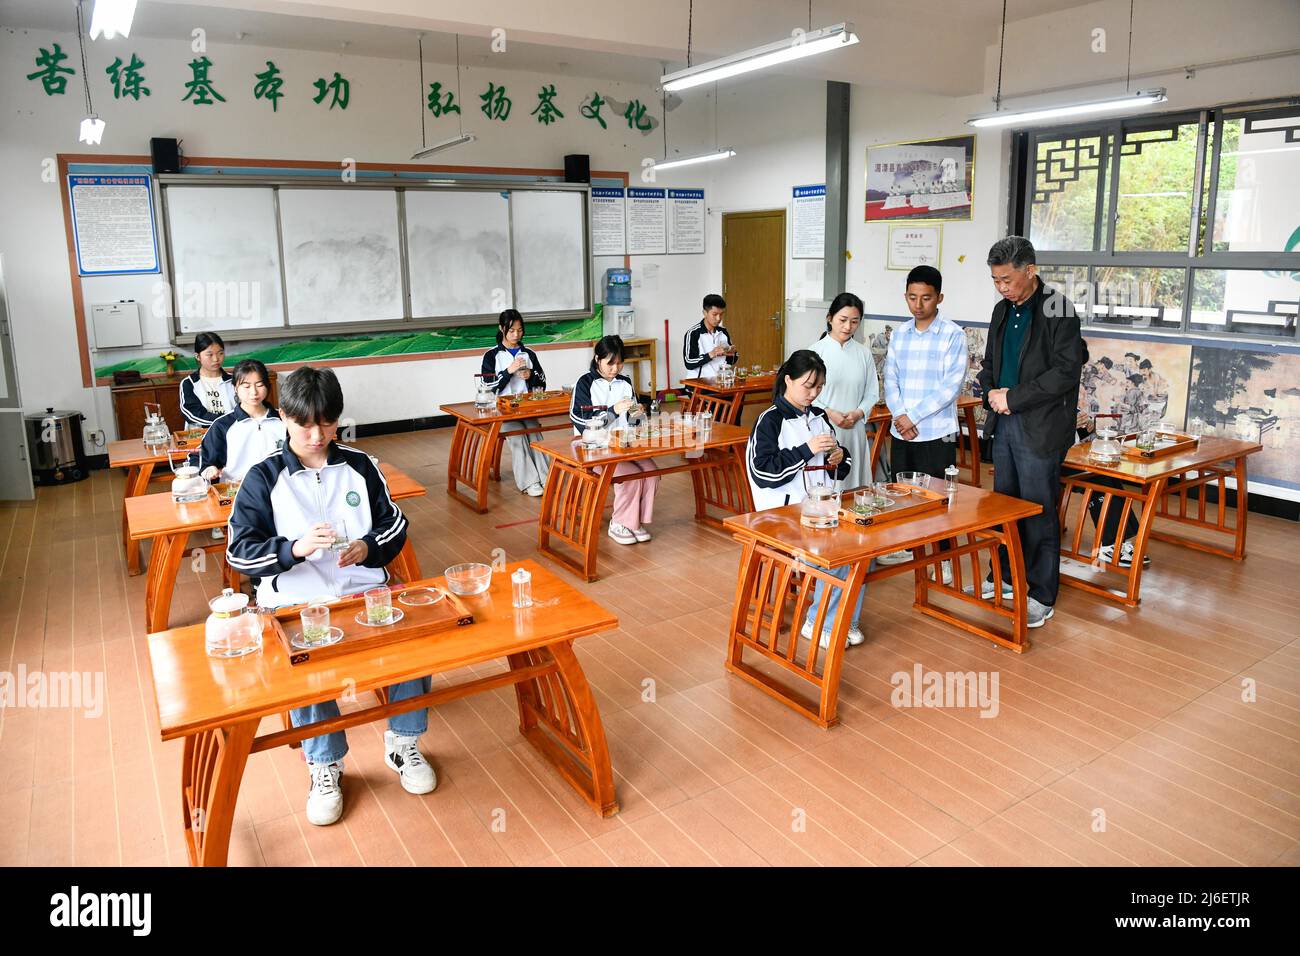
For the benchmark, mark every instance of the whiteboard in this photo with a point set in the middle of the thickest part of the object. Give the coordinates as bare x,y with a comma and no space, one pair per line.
225,260
341,257
549,232
458,249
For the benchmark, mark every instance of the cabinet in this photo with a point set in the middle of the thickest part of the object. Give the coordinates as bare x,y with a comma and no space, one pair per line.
129,402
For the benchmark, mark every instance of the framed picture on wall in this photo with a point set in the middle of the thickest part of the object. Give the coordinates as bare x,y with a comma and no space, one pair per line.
926,180
913,245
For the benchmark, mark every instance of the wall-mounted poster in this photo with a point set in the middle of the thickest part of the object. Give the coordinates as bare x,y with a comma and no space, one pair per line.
924,180
914,245
1230,385
1139,381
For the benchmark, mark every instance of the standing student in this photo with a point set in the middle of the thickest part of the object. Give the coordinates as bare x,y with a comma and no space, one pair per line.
254,430
290,511
1030,377
852,388
707,346
924,370
512,368
602,389
208,392
791,436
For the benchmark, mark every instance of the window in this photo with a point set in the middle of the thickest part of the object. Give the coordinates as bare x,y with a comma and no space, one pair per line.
1187,222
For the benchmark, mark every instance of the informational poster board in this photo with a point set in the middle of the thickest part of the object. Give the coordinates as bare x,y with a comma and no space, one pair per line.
809,233
911,246
647,228
113,224
608,221
685,221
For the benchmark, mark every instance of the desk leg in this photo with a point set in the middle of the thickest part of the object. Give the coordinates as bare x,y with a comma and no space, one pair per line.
137,483
470,460
210,774
1016,638
558,716
972,447
572,507
164,563
878,445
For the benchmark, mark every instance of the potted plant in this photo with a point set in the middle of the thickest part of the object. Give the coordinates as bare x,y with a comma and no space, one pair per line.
170,358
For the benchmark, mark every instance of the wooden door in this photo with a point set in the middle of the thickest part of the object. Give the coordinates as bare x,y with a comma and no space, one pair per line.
753,283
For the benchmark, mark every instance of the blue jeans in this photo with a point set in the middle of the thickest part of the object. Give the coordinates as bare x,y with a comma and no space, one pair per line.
1020,473
331,747
833,602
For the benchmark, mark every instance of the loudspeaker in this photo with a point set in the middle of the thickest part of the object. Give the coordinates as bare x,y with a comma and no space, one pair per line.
577,168
166,155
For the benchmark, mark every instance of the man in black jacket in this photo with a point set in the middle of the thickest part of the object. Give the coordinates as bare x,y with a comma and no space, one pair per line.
1030,380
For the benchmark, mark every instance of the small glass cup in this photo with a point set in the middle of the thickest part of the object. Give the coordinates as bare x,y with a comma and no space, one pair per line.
315,624
863,499
341,539
950,480
1146,440
379,605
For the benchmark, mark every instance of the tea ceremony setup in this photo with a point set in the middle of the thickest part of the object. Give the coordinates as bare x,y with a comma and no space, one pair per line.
685,435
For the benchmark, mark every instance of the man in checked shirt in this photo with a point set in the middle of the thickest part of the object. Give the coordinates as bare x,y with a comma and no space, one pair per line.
924,371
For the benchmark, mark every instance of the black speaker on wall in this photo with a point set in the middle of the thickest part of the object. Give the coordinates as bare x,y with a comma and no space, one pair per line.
577,168
166,155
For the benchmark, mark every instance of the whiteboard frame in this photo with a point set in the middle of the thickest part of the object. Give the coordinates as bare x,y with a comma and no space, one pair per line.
400,185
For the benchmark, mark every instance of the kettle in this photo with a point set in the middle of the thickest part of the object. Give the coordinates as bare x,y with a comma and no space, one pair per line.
484,397
233,629
1105,448
156,433
820,507
188,485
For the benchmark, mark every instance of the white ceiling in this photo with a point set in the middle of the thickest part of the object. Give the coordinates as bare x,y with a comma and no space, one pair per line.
932,45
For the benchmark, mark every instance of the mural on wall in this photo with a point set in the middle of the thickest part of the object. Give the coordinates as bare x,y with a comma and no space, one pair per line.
368,346
1138,380
1232,387
976,339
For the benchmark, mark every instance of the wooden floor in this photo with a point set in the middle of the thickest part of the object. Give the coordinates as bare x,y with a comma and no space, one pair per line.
1122,737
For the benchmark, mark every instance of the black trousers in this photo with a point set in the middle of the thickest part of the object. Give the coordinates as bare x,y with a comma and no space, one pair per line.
927,457
1109,533
1020,473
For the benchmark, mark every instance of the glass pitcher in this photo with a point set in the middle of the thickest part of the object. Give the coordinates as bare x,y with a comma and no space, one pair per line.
233,629
1106,447
188,486
484,397
156,433
820,507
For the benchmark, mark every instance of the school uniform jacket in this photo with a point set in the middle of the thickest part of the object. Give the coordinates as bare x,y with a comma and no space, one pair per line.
778,452
192,407
594,389
697,345
280,500
495,362
238,441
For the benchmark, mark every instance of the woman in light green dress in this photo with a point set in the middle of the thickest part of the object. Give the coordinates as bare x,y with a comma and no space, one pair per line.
851,385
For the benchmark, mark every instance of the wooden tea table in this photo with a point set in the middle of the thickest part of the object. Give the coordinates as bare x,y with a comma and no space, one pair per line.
156,516
140,463
477,442
727,403
771,601
1160,487
580,478
217,705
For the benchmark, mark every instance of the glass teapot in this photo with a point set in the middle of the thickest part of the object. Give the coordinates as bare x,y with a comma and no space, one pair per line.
156,433
233,629
1106,446
188,485
484,397
820,507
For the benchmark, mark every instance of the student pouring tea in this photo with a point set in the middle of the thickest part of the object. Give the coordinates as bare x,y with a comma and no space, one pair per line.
208,392
511,368
602,393
290,511
791,444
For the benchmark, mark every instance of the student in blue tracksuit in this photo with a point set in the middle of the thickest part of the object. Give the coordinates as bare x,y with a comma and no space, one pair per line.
238,441
791,435
512,368
208,392
290,509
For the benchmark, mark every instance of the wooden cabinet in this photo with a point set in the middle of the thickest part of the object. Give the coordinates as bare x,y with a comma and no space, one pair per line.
129,402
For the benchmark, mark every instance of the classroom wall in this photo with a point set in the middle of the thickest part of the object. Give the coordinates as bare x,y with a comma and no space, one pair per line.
381,125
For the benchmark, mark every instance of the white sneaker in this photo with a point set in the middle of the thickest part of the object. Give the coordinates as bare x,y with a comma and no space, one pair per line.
325,799
986,590
947,573
621,534
1125,555
825,641
534,490
403,755
218,534
895,557
856,636
641,534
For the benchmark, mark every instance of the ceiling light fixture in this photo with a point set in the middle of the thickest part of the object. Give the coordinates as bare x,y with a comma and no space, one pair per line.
796,47
462,137
112,18
724,153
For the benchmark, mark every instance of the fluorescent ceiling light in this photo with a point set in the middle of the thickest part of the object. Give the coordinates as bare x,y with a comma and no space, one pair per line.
1125,102
445,144
761,57
111,18
724,153
92,130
